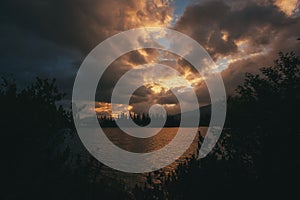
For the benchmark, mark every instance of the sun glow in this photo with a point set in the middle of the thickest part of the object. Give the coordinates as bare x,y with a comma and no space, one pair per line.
105,109
287,6
157,89
225,35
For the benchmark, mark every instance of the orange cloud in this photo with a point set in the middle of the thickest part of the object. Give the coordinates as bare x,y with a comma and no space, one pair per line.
287,6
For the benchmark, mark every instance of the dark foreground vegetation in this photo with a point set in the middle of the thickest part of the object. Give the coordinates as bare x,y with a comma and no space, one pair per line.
257,156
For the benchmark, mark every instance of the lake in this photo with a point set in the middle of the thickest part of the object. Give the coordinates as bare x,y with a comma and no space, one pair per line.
142,145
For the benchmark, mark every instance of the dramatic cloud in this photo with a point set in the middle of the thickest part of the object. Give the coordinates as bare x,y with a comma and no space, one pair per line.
50,38
287,6
242,36
223,31
83,24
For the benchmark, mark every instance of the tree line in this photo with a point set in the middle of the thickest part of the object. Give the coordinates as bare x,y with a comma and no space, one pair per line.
257,155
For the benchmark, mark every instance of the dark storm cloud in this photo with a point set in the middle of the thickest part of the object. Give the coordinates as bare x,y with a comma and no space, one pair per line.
210,21
81,23
116,70
202,23
25,56
136,58
221,27
142,94
168,98
50,38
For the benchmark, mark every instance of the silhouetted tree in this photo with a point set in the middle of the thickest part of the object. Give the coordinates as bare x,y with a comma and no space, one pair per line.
37,163
264,124
257,155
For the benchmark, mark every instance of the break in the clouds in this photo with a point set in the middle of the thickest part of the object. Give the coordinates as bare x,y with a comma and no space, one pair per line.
243,36
225,30
50,38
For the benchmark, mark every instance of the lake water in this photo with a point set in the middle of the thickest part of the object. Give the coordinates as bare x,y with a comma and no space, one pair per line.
143,145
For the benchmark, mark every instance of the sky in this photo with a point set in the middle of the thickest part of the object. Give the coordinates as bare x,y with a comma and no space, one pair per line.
50,39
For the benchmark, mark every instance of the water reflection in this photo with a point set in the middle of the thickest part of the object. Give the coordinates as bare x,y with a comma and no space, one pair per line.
142,145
